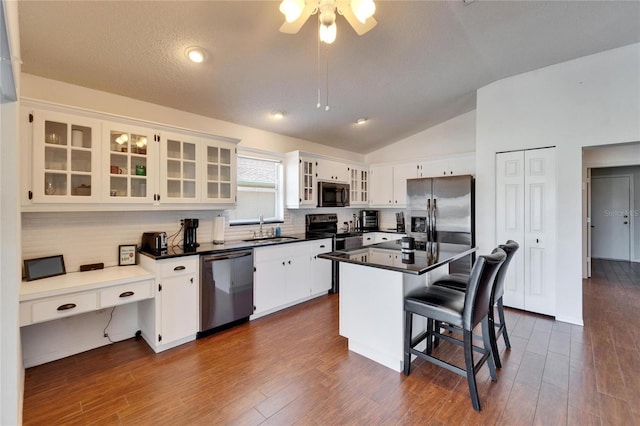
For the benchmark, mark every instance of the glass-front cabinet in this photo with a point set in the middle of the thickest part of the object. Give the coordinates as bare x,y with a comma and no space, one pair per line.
220,172
179,169
66,165
359,183
130,164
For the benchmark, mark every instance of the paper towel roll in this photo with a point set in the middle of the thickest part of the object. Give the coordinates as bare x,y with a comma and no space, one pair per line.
218,230
77,138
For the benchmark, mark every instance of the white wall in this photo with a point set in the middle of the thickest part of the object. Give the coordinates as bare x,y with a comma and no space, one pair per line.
11,371
68,94
593,100
454,136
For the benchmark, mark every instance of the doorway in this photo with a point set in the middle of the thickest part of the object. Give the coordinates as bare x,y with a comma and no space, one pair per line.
610,217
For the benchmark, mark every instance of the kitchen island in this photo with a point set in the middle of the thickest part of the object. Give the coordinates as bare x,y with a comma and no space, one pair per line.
373,283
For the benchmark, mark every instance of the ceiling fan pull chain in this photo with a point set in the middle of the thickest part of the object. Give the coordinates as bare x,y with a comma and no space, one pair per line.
318,105
326,107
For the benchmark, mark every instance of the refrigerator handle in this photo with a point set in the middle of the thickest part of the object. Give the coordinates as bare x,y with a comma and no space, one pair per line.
428,219
433,222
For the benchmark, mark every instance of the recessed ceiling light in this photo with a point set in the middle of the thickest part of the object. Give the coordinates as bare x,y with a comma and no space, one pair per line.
196,54
361,120
278,115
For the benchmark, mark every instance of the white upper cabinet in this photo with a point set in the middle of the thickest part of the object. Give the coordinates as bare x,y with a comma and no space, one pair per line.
73,160
359,185
329,170
381,186
129,163
301,178
389,184
219,170
179,169
66,158
451,166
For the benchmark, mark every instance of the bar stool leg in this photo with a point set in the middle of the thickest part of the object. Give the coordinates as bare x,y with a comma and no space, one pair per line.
503,324
469,367
493,338
408,325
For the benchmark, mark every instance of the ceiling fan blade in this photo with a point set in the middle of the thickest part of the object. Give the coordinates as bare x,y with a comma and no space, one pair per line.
358,26
294,27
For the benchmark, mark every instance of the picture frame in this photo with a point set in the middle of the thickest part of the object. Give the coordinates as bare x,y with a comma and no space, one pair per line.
44,267
127,254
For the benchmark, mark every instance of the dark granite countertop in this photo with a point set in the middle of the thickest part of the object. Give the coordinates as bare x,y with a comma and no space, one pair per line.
388,255
228,246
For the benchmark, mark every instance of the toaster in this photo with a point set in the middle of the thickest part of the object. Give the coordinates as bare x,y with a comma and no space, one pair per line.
154,242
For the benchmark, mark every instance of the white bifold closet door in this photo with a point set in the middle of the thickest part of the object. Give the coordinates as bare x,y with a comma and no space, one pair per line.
525,212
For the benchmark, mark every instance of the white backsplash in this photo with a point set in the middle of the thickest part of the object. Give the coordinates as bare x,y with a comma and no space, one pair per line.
93,237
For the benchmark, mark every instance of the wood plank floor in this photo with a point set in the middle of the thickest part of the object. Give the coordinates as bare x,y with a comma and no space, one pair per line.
293,368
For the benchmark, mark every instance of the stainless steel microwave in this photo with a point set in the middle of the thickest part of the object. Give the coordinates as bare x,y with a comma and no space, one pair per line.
333,194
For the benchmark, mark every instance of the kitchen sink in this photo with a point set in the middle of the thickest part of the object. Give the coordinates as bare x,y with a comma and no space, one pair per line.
265,240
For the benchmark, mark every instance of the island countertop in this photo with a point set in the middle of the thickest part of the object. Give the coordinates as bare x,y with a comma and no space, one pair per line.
388,255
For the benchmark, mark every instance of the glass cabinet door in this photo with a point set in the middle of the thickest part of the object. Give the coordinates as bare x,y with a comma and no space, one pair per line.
308,178
65,158
129,163
179,168
220,172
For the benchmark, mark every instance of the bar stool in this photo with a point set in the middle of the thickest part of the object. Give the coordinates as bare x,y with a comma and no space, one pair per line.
459,282
463,310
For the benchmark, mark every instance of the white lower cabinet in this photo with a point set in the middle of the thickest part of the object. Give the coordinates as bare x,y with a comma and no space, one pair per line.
171,319
290,273
320,280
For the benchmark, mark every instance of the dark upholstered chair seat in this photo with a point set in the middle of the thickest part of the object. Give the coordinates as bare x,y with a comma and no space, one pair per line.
437,302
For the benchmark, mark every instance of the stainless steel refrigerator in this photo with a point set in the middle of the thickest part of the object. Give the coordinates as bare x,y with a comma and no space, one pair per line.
443,210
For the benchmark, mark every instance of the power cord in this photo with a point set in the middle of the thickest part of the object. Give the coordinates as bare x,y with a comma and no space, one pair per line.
104,332
174,236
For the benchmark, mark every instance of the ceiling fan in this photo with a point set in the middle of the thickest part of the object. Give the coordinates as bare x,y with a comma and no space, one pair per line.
358,13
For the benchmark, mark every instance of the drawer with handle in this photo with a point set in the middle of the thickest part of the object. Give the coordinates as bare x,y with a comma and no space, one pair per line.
178,267
125,293
63,306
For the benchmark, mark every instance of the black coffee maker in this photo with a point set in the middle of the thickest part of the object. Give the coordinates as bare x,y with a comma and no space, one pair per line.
190,240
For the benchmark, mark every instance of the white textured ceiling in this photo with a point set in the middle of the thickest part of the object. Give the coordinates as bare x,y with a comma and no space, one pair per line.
420,66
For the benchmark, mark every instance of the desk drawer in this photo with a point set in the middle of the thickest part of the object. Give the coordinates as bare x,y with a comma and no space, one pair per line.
63,306
125,293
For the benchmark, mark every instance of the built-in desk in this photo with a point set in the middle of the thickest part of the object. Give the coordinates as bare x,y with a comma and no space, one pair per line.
78,292
373,283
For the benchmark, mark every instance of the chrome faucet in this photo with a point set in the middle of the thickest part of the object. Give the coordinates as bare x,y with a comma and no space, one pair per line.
261,223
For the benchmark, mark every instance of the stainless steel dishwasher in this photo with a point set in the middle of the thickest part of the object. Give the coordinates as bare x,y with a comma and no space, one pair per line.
226,290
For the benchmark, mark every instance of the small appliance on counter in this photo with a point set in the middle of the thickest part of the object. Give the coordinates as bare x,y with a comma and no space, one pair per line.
154,242
190,240
369,220
400,224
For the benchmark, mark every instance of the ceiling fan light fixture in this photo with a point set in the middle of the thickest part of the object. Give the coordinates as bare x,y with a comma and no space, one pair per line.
196,54
328,33
291,9
363,9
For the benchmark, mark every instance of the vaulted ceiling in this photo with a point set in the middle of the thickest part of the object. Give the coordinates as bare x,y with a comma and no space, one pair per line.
420,66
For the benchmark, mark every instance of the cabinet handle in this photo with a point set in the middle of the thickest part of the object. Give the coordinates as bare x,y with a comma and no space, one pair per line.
127,294
66,306
322,246
179,268
283,263
289,262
